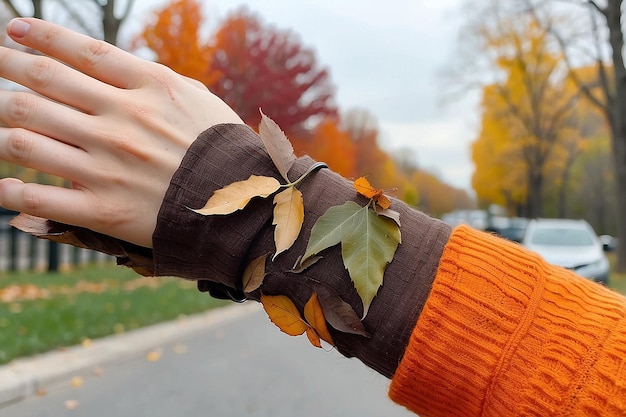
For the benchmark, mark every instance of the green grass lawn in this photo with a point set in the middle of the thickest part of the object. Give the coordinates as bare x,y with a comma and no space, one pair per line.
40,312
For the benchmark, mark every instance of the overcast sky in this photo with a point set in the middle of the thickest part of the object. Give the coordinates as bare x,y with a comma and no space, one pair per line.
383,56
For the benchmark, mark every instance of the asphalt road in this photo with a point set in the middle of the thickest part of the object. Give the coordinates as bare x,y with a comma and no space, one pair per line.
243,368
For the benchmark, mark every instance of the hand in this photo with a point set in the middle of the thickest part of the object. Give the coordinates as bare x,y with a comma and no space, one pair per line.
113,125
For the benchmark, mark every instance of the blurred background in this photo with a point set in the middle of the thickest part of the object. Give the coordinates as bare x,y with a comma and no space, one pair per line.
484,112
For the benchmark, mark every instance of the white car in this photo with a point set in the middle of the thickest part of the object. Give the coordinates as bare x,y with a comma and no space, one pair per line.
572,244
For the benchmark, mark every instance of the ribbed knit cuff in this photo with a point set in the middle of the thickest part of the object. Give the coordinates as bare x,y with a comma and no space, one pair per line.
505,334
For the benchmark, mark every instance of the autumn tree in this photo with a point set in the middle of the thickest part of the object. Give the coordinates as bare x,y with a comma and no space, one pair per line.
264,67
173,33
79,14
598,39
328,142
531,96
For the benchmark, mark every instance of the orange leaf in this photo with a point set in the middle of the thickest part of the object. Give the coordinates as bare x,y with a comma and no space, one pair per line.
284,314
314,338
363,187
315,317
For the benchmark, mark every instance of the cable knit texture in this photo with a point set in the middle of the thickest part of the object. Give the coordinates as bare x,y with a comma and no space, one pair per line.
505,334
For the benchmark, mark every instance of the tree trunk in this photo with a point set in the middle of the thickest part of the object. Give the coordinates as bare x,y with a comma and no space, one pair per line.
619,150
613,14
535,190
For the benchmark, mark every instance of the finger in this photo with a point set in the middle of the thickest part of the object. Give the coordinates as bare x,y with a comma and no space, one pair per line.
28,111
31,150
55,203
53,79
95,58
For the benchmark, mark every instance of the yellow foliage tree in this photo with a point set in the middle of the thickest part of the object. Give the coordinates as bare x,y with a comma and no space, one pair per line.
527,116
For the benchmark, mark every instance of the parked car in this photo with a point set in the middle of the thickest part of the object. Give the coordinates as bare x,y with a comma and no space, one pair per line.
511,228
572,244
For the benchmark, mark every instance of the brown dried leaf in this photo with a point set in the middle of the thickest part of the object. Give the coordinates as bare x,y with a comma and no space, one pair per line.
315,317
339,314
254,274
301,266
288,218
391,214
237,195
277,145
127,254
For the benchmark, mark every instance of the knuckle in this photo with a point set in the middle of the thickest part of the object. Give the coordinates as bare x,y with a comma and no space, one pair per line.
41,72
31,200
161,75
94,52
51,35
20,147
19,108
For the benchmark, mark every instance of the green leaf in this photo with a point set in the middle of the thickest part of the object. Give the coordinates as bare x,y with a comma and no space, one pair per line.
368,244
328,229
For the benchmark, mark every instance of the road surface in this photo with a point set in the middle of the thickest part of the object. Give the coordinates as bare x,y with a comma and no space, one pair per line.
243,368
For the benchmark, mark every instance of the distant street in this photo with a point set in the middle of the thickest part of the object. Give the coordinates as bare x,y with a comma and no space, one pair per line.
245,368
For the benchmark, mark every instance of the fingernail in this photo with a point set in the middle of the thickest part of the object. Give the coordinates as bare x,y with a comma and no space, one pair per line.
18,28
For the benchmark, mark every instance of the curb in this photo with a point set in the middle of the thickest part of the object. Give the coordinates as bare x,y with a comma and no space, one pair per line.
24,377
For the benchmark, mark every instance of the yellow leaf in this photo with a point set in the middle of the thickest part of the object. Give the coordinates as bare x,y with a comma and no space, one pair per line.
154,355
315,317
77,381
254,274
236,196
284,314
288,218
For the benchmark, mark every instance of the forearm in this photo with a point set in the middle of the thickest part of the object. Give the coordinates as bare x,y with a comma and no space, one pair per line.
217,248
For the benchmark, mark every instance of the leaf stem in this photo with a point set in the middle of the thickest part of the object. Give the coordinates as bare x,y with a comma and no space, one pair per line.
312,168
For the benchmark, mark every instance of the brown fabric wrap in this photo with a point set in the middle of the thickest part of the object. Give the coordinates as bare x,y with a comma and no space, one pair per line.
218,248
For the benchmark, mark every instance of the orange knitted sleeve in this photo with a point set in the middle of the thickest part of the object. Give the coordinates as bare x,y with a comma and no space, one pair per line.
505,334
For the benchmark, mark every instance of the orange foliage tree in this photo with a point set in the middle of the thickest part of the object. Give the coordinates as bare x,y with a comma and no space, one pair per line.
173,34
329,143
252,66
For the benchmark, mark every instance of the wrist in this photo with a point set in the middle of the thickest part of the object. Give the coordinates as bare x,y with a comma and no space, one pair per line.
217,248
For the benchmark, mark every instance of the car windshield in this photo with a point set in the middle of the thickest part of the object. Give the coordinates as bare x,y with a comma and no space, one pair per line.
561,237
